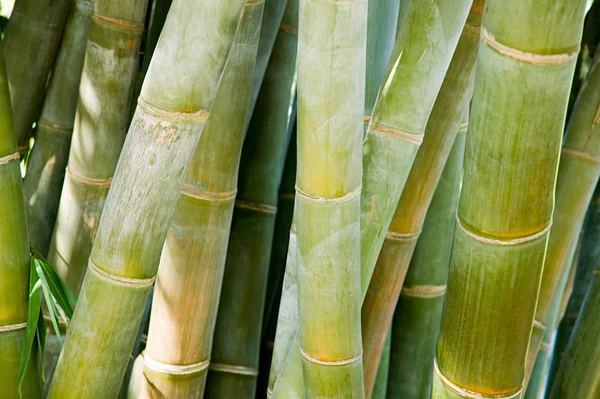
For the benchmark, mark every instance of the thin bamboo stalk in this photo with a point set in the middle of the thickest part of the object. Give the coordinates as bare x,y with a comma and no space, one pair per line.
414,75
235,351
186,297
31,41
176,99
14,258
507,197
579,373
417,318
577,177
331,87
383,371
101,124
407,223
48,158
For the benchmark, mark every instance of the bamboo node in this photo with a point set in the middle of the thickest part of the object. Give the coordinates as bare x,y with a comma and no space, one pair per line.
174,369
289,28
581,155
288,196
472,29
324,200
342,362
416,138
90,181
494,241
367,120
424,291
13,327
119,280
393,236
58,128
545,346
269,393
539,325
147,108
6,159
465,393
253,206
254,2
224,196
238,370
118,22
530,58
463,127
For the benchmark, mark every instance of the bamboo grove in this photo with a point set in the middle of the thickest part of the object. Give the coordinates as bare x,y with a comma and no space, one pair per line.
281,199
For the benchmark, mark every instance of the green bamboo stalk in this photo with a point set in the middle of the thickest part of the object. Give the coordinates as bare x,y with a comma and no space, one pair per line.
579,373
383,371
507,197
417,318
178,352
414,75
14,257
331,87
48,158
176,99
577,177
100,127
407,223
31,41
234,358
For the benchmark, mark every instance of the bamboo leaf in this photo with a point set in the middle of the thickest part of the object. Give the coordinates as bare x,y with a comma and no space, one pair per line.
33,313
41,340
63,296
49,299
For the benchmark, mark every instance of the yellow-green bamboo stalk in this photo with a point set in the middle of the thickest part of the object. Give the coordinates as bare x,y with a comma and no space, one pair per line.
31,41
14,258
417,318
413,79
507,198
186,298
176,99
235,351
577,177
407,223
101,124
331,86
48,158
579,373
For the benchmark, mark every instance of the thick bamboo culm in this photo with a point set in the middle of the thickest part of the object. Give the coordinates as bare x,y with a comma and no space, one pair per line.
332,44
31,41
14,258
383,371
235,352
417,318
577,178
188,286
101,124
579,373
176,99
48,158
507,198
393,137
394,259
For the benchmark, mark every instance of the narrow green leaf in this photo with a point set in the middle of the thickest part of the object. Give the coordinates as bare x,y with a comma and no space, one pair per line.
33,313
41,340
59,289
49,299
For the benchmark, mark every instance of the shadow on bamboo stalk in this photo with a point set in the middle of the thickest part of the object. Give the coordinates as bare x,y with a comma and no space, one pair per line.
48,158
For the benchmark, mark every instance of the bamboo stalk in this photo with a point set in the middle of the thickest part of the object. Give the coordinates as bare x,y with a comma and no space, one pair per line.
14,257
235,351
31,41
417,318
383,371
391,143
101,124
577,177
48,159
196,246
579,373
176,99
506,203
407,223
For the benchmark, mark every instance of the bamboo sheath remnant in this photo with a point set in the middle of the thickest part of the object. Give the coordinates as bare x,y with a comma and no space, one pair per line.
236,346
507,195
48,159
178,93
196,244
31,41
417,61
